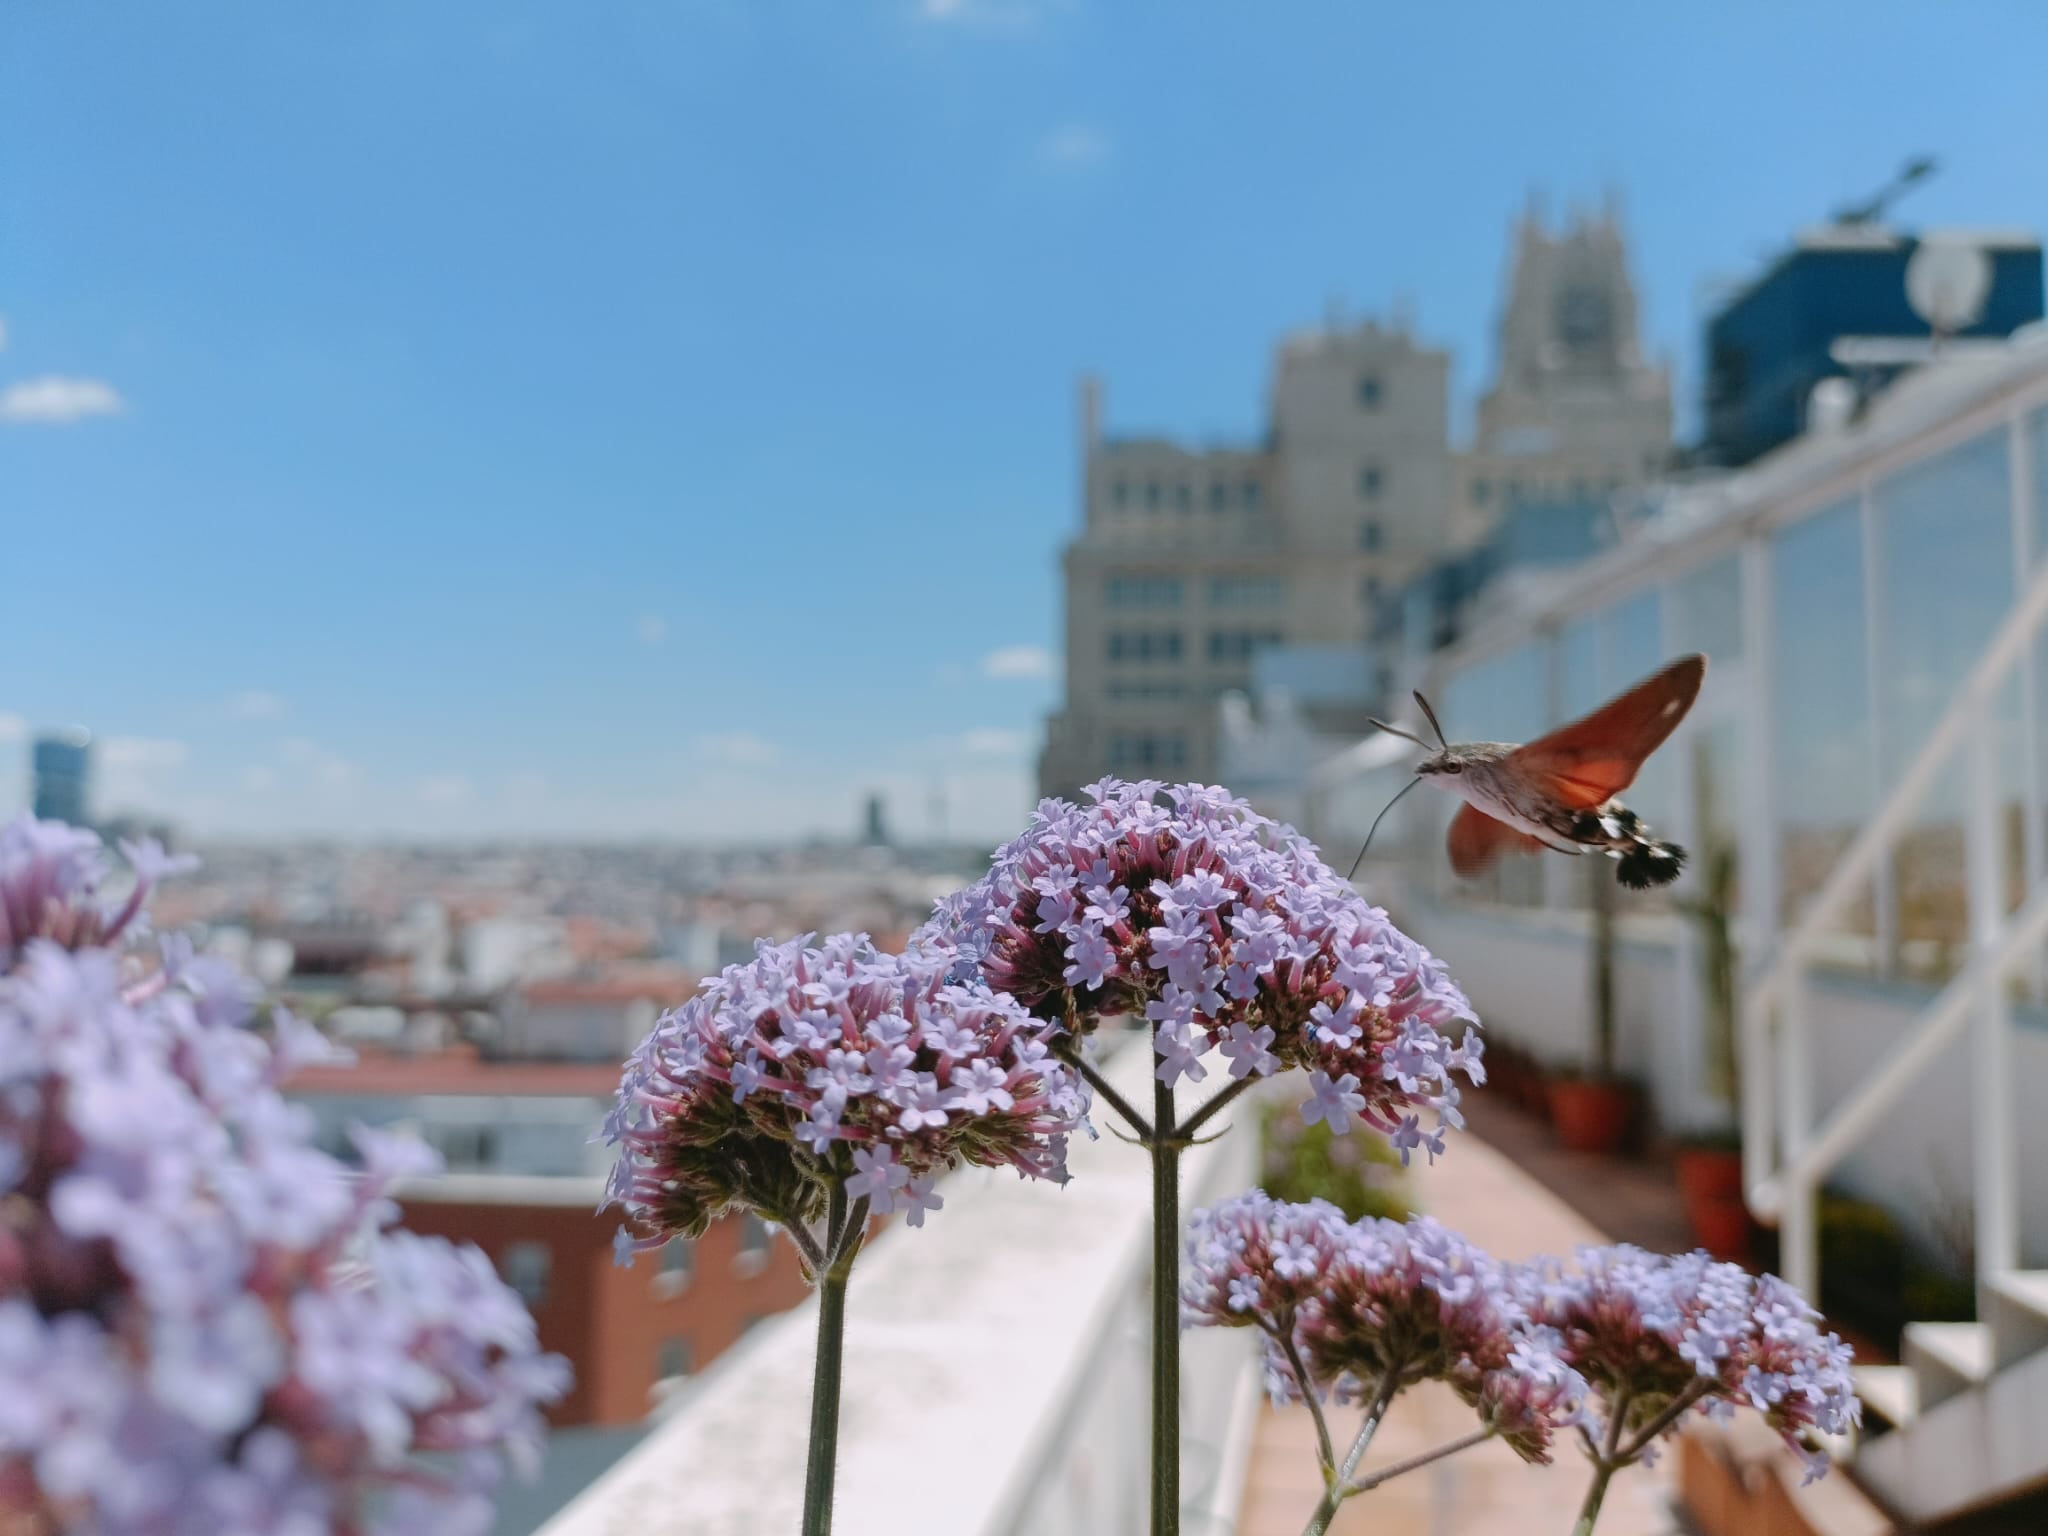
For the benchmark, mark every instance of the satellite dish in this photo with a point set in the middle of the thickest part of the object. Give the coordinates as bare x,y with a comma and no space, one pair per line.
1831,406
1947,282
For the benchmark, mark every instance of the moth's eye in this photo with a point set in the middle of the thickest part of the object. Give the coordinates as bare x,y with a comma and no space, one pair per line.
1454,767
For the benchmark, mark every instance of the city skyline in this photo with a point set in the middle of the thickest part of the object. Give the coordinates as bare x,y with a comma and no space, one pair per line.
475,424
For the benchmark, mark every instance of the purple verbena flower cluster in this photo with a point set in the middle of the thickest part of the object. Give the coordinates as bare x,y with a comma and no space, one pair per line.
204,1325
834,1063
1226,931
1534,1347
1375,1306
1651,1330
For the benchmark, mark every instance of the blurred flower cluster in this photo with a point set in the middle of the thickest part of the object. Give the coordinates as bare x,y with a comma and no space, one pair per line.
1658,1333
1363,1310
1226,931
833,1063
206,1323
1354,1309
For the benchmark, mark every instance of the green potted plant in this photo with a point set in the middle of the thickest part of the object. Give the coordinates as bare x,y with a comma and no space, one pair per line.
1710,1163
1594,1110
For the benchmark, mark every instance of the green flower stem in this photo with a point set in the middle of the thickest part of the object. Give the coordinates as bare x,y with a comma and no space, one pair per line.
1589,1512
1604,1467
1185,1131
1165,1151
843,1233
1069,1051
1326,1453
1388,1474
1338,1486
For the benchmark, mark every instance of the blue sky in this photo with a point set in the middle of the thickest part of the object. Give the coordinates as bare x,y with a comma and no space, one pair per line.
655,419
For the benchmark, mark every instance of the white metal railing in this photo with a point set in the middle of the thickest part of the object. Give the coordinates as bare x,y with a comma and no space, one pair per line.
1787,1151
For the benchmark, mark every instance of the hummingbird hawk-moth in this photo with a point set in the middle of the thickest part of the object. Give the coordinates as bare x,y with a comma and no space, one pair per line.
1559,791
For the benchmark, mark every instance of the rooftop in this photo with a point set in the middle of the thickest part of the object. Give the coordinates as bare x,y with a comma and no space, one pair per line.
455,1073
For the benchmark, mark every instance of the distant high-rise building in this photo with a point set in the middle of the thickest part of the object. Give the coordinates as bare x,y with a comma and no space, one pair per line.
1191,561
1575,414
1801,320
874,824
63,777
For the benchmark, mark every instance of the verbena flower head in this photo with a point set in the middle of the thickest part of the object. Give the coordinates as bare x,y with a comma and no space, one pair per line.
1378,1303
1224,930
1645,1328
203,1324
832,1063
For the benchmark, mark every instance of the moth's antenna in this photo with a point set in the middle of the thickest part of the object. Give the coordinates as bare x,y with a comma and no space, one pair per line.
1441,738
1377,820
1395,730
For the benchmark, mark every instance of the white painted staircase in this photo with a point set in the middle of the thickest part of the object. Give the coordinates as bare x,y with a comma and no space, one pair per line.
1962,1425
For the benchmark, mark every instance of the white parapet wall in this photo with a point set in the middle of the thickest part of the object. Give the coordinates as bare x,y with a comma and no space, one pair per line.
995,1375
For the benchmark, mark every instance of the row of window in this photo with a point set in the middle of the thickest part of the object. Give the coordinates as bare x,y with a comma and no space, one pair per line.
1578,488
1154,591
1165,644
1241,644
1131,750
527,1266
1870,642
1182,495
1146,691
1144,645
1143,591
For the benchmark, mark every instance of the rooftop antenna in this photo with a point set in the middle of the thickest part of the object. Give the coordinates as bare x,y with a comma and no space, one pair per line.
1873,208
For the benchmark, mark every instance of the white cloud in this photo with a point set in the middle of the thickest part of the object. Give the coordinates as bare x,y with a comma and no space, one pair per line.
259,780
995,742
133,772
142,753
329,769
737,749
255,704
444,789
651,628
989,13
12,727
1074,146
54,400
1018,661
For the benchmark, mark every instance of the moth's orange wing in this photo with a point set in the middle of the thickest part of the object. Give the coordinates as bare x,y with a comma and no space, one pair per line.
1590,761
1476,840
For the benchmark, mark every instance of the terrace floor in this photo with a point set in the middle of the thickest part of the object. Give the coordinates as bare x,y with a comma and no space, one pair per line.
1492,1188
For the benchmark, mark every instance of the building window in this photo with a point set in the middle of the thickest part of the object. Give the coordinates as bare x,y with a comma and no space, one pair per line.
1143,591
1130,750
1219,495
1151,493
524,1266
678,1263
1183,497
1119,492
1369,391
464,1146
1369,536
1247,591
1240,645
674,1359
1251,495
1481,489
755,1241
1369,482
1144,645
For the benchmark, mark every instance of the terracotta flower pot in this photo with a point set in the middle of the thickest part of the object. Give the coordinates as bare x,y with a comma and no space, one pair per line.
1590,1114
1709,1173
1720,1224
